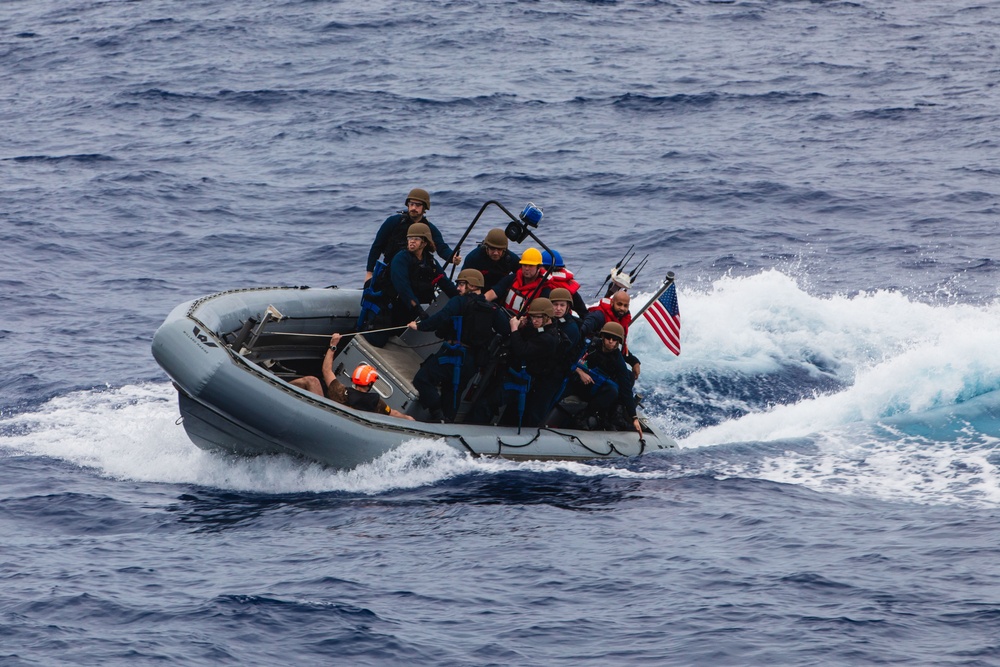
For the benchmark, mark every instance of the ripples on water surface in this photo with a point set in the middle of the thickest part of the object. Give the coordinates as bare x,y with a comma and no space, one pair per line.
820,175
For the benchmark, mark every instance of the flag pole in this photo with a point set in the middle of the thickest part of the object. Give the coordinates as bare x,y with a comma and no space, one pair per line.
667,282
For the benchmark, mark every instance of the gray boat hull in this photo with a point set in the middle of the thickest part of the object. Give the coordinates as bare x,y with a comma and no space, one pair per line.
240,401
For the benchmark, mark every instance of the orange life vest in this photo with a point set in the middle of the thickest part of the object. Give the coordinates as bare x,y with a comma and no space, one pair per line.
520,291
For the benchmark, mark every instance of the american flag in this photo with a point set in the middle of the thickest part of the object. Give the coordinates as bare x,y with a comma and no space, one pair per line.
665,318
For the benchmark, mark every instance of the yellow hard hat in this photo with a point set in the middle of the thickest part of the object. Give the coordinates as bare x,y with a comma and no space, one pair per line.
532,257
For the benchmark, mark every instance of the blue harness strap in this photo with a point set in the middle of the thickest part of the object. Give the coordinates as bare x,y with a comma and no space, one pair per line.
455,357
370,298
565,381
520,382
600,378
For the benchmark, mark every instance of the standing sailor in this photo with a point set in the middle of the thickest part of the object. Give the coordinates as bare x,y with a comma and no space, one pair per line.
391,236
468,324
493,259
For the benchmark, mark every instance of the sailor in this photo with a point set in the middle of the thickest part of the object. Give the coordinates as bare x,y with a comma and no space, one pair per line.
559,276
566,321
338,393
391,236
603,381
493,259
468,323
413,277
361,397
612,309
570,346
415,273
532,376
520,287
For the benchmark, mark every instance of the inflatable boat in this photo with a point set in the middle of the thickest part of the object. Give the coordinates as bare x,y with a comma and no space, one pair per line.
232,355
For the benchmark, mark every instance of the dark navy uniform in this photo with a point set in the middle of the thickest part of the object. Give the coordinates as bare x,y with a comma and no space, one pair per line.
391,238
492,271
614,385
481,321
533,350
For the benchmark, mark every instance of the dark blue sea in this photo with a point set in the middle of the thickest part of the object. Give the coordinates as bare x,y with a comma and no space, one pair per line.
823,177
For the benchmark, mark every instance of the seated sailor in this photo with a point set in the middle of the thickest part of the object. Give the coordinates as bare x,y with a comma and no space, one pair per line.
358,396
361,397
518,288
563,315
560,276
493,259
602,381
468,323
612,309
533,379
570,346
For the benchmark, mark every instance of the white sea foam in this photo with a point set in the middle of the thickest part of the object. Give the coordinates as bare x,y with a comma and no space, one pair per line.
901,357
916,418
131,433
900,468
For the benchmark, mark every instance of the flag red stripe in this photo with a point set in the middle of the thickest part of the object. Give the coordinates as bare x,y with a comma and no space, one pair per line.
665,326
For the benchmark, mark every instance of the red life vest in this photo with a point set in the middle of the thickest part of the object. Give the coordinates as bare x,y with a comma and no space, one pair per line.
562,278
520,291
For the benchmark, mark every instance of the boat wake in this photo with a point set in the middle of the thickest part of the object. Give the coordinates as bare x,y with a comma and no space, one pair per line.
873,395
132,433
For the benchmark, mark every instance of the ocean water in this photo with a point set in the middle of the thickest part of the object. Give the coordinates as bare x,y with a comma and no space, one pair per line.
820,176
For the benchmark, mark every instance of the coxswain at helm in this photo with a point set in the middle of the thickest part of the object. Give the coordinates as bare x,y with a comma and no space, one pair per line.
362,379
414,275
391,236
